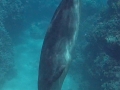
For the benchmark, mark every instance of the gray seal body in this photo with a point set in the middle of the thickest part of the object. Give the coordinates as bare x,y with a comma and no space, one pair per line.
58,44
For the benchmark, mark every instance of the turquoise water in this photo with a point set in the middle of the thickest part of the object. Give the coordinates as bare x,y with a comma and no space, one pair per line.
96,59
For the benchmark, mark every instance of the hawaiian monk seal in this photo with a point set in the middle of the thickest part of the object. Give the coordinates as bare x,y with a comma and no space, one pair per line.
58,44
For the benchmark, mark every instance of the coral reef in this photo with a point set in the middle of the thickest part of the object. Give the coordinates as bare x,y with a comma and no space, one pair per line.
100,49
21,13
114,4
91,7
7,70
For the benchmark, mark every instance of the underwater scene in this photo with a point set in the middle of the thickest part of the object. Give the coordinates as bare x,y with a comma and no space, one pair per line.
95,58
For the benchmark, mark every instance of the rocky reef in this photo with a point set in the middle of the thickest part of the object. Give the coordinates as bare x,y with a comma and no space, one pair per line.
7,70
100,52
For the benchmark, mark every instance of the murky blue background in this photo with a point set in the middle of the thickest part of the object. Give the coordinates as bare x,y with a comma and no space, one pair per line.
96,60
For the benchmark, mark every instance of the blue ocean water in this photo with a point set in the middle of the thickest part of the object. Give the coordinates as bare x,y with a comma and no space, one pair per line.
96,58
